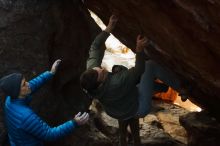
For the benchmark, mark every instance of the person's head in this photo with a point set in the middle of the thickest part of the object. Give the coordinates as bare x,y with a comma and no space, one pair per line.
91,79
118,68
15,85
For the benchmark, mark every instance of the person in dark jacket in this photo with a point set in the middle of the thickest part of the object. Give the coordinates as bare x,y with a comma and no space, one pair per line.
125,93
25,128
128,92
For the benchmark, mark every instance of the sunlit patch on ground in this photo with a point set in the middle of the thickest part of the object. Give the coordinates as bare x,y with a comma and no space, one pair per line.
172,96
187,105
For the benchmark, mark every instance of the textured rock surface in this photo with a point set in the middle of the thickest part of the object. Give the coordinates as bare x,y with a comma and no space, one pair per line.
186,34
202,129
35,33
160,128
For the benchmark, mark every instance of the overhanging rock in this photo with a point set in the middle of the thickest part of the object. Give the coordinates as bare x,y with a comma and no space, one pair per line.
186,34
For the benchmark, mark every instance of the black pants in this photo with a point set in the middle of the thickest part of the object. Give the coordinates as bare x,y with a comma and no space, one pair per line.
123,133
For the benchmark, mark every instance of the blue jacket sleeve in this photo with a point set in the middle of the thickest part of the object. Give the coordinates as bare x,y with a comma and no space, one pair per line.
37,82
41,130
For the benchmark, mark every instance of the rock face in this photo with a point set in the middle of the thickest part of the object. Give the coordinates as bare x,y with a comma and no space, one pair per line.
202,130
186,36
35,33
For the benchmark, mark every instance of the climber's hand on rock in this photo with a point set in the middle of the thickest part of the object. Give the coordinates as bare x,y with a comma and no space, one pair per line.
141,43
112,23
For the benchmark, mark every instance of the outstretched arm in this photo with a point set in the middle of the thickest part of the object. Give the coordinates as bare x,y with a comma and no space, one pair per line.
37,82
41,130
96,52
139,67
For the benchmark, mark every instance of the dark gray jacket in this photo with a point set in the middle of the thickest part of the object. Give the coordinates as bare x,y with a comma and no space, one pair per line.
118,94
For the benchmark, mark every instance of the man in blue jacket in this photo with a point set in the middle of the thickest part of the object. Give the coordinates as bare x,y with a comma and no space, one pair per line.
25,128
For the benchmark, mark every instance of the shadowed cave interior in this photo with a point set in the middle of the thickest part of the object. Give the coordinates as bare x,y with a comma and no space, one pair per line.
35,33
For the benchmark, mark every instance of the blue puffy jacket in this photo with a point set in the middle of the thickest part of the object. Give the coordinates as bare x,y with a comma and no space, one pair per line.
25,128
